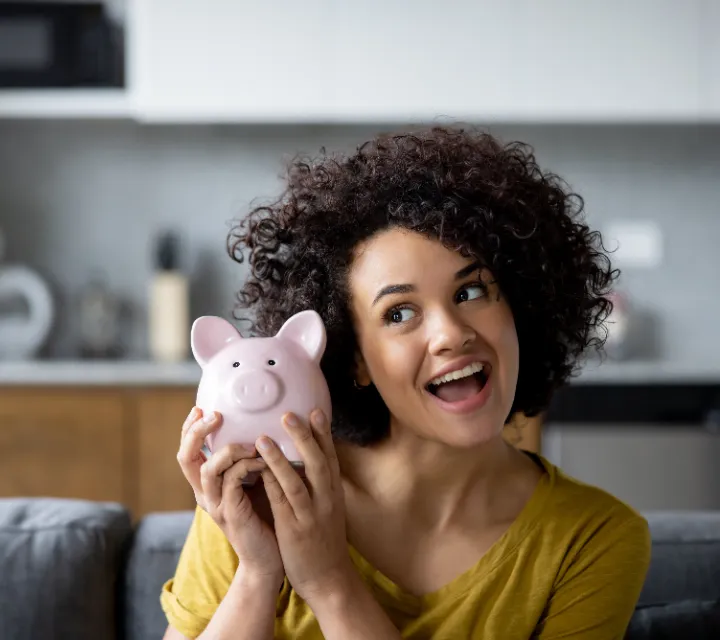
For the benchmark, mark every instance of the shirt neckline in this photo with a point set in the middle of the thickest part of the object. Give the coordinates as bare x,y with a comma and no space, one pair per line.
395,596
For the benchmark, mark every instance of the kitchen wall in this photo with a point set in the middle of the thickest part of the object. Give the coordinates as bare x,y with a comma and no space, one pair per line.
76,197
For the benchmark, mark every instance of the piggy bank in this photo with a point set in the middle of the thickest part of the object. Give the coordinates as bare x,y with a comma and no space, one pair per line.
253,382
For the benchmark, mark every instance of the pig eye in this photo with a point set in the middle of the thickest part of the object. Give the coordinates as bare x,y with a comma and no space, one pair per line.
271,363
236,364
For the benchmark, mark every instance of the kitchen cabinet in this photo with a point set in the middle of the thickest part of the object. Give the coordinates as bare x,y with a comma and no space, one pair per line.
400,60
556,60
161,484
64,444
113,443
229,60
710,58
107,444
649,466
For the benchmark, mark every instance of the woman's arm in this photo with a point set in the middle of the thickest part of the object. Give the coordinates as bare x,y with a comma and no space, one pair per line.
351,613
246,611
310,529
596,596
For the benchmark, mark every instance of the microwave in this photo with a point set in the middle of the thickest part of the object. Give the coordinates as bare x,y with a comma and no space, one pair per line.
58,44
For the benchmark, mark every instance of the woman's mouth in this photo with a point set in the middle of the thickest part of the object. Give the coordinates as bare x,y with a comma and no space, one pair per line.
464,390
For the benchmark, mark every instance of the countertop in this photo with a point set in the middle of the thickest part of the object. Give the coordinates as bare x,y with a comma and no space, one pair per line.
147,373
131,373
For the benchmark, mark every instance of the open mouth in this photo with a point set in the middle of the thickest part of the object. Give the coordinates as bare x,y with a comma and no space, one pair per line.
460,385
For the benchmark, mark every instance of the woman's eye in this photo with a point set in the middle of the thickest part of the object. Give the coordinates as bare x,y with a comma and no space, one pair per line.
399,315
471,292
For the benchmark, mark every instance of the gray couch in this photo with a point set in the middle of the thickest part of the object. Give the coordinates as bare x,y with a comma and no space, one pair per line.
75,570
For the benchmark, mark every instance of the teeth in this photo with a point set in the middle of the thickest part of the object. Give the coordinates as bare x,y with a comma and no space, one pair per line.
475,367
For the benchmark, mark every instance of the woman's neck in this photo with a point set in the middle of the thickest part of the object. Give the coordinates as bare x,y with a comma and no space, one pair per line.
431,484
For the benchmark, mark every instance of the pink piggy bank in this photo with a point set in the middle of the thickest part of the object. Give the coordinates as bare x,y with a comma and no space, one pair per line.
253,382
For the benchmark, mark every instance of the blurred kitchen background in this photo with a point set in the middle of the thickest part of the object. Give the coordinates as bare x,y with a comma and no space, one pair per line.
133,133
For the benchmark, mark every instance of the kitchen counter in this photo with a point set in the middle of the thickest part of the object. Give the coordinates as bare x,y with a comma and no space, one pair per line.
650,372
138,373
147,373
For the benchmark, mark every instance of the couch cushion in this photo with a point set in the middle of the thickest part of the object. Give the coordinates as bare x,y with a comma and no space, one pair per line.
59,566
691,619
685,564
155,551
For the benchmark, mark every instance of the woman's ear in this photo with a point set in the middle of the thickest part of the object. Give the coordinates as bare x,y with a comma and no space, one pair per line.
362,375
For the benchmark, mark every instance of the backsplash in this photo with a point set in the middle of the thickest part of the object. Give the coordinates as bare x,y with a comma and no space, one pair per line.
82,197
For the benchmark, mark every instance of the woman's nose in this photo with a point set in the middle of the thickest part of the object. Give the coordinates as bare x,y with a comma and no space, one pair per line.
449,332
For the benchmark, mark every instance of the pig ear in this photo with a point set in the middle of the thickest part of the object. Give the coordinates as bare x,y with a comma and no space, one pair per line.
209,335
306,329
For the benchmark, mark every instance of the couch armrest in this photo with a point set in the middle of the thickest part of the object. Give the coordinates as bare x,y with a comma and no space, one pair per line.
60,561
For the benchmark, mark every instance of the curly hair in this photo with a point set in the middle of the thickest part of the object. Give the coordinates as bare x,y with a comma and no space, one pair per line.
462,187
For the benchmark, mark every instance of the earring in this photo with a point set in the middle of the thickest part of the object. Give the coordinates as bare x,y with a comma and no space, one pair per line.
358,386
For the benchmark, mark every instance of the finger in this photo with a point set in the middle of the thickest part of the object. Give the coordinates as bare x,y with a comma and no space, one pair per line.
190,455
194,414
323,435
233,494
211,473
290,484
317,469
279,505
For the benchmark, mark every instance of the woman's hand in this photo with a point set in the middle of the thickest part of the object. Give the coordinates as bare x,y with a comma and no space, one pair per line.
309,515
219,491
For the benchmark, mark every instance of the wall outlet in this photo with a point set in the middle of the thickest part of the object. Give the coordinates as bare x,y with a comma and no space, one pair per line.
635,243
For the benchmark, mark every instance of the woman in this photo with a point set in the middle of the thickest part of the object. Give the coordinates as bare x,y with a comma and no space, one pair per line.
459,287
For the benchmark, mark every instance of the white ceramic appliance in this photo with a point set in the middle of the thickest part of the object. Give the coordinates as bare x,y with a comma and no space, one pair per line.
27,310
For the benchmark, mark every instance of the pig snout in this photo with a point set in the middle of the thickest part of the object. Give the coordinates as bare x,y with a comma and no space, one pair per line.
256,390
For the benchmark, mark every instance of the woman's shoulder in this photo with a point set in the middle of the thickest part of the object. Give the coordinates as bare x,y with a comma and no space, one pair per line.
573,505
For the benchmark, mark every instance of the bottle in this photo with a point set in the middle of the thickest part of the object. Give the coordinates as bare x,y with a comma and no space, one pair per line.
168,308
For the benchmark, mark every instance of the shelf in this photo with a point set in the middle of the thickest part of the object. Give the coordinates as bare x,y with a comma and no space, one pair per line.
146,372
65,103
98,373
648,373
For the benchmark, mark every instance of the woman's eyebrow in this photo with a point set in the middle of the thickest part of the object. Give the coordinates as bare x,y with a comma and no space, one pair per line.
391,289
466,271
409,288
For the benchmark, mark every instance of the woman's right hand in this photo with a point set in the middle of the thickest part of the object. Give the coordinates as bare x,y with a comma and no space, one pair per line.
219,491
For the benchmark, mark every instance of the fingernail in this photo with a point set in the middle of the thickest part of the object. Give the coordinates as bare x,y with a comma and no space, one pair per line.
291,420
319,417
264,444
209,418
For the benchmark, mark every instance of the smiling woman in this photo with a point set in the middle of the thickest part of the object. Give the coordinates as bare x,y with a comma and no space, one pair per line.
459,286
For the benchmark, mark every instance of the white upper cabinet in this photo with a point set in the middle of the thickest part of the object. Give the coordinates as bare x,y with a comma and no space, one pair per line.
527,60
399,60
710,58
227,60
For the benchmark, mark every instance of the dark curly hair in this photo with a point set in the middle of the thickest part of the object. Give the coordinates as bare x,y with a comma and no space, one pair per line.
461,186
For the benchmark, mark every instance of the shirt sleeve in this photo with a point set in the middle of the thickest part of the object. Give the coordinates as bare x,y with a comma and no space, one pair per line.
595,597
203,575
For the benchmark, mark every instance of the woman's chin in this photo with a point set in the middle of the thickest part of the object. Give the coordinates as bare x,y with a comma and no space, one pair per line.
472,438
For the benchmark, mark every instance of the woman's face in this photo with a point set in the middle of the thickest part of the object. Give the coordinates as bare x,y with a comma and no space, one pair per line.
436,338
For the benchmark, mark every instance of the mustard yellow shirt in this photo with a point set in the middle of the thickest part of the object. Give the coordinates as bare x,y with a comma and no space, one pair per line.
571,566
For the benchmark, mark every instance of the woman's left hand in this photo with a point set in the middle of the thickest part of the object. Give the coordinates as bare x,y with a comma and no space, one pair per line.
309,515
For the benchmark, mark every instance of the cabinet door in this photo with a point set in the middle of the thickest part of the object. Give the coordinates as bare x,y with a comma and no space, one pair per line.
710,42
160,416
233,60
650,466
555,60
65,443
